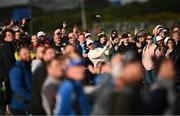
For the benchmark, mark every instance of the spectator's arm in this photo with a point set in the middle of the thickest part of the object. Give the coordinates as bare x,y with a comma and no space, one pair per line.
107,52
97,53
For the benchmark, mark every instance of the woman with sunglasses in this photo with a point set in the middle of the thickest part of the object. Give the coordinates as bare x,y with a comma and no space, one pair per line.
149,51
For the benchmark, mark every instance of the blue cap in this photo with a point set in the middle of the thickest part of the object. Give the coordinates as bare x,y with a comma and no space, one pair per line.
75,62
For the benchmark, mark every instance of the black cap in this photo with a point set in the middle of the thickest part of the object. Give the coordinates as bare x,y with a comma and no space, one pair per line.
101,34
113,36
114,31
125,35
141,33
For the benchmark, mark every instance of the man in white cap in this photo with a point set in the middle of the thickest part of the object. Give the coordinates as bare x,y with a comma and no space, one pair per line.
97,54
161,50
156,31
43,38
88,36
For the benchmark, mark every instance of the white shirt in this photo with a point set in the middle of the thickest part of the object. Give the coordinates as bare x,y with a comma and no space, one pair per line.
98,54
148,53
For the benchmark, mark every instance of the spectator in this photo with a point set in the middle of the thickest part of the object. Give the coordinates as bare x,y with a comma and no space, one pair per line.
51,84
156,32
126,45
105,87
140,42
148,53
176,37
160,46
21,83
17,41
123,102
75,31
97,54
7,61
101,40
170,52
82,47
64,36
131,40
70,96
162,92
72,39
115,41
43,38
57,44
38,60
38,78
34,43
163,32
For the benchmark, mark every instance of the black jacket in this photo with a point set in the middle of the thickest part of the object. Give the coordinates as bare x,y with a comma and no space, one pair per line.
123,49
38,78
58,49
176,60
7,61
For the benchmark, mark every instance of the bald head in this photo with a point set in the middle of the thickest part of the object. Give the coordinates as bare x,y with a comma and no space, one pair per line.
57,39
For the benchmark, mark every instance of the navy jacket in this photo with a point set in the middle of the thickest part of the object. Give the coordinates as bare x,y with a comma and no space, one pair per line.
21,84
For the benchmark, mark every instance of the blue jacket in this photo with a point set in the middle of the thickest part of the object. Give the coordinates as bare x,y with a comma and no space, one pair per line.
71,99
21,84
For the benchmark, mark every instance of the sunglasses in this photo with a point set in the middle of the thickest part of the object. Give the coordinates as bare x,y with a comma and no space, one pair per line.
149,39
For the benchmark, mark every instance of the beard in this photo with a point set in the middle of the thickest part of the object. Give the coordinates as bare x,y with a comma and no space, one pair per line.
27,62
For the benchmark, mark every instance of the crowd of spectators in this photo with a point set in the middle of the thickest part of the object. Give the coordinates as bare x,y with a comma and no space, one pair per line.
71,73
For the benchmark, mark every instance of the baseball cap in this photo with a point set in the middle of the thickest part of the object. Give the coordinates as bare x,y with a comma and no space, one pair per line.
41,33
158,26
159,38
141,33
87,34
101,34
88,42
113,36
166,40
125,35
74,60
